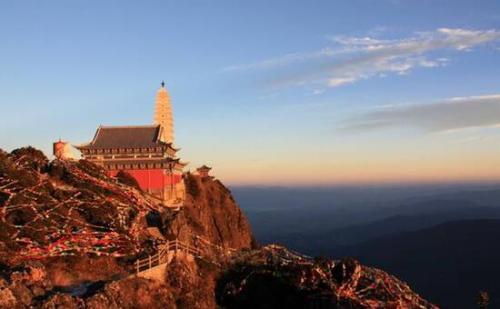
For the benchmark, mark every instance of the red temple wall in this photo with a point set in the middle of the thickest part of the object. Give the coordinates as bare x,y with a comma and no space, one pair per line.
151,179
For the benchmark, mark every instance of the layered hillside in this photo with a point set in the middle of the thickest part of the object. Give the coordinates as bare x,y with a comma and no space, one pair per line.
69,237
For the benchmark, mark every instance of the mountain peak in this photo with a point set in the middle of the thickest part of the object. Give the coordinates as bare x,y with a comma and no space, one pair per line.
73,236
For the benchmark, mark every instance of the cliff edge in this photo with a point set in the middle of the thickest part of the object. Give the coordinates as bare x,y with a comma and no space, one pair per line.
70,237
211,212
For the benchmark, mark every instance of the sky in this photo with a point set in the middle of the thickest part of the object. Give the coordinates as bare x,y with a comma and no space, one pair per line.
266,92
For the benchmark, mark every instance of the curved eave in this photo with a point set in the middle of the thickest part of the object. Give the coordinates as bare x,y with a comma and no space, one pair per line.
178,162
171,146
82,146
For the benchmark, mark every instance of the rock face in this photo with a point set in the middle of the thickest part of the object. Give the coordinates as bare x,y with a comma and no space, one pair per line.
211,212
274,277
69,237
60,209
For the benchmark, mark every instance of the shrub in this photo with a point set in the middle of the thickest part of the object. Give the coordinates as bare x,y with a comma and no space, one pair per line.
34,157
57,170
192,186
91,169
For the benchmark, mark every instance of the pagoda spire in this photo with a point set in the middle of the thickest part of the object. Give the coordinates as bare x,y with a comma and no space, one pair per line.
163,114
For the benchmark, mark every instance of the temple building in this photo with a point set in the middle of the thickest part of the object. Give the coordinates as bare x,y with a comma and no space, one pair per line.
203,171
145,152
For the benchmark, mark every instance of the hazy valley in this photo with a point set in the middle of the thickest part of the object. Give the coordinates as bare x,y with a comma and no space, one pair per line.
440,239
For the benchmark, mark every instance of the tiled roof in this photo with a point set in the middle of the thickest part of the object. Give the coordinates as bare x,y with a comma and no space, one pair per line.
126,137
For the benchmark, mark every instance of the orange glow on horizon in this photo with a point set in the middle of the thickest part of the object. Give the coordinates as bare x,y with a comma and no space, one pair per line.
362,171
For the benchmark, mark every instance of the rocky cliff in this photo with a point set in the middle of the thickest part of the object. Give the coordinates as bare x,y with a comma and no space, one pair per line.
211,212
286,279
69,237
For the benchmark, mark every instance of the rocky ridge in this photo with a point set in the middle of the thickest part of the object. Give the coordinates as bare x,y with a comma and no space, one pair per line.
69,236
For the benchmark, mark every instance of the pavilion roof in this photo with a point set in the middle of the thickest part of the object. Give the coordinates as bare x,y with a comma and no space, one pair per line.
204,167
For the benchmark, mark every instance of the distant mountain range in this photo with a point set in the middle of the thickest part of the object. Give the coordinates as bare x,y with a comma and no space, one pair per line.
276,214
448,263
445,245
336,241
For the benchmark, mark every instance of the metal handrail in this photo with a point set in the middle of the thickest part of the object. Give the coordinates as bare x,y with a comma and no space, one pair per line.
174,246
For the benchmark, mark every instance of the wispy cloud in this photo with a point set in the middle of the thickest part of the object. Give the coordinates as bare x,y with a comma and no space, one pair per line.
447,115
350,59
282,61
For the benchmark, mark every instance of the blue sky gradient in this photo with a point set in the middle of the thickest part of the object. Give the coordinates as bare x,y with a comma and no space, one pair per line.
268,92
